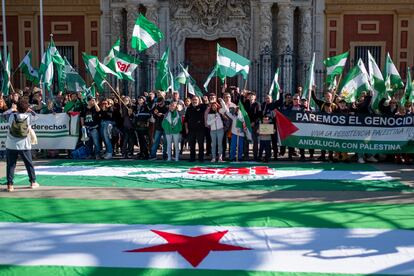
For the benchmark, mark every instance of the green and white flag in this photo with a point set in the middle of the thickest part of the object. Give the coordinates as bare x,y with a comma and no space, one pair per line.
230,63
163,81
408,95
355,82
243,122
275,87
124,64
185,78
213,73
335,66
97,70
73,81
145,34
377,82
111,54
56,57
310,83
46,69
6,76
31,73
392,78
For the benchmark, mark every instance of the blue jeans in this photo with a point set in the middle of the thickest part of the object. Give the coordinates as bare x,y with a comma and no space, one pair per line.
217,141
239,147
93,133
105,136
154,148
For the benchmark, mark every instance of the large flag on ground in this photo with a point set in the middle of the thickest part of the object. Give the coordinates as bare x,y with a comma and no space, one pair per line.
163,80
124,64
335,66
230,63
46,69
392,78
111,54
97,70
6,76
310,83
377,82
356,81
229,221
275,88
73,81
243,122
145,34
408,95
31,73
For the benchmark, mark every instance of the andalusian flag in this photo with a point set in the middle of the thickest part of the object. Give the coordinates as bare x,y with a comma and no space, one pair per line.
408,95
335,66
124,64
392,78
201,227
111,54
73,81
6,76
355,82
145,34
230,63
46,69
377,82
56,57
213,73
97,70
310,83
275,88
31,73
243,122
185,78
163,80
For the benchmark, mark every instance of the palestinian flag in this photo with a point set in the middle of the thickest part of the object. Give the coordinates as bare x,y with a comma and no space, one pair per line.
145,34
377,82
335,66
207,219
284,126
230,63
355,82
31,73
393,80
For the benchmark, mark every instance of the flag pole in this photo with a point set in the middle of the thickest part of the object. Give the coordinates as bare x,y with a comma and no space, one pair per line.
237,146
42,46
186,90
245,84
116,93
4,30
310,89
337,86
216,86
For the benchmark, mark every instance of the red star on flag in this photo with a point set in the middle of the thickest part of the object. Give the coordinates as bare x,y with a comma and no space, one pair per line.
193,249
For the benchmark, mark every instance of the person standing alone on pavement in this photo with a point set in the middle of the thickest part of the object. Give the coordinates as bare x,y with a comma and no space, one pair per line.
18,142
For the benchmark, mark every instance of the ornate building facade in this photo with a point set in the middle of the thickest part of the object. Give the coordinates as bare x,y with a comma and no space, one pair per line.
271,33
380,26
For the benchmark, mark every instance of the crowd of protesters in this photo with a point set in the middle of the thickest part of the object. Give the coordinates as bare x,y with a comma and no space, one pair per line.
118,125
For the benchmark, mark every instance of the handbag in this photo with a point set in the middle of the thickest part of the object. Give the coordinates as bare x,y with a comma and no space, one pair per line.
33,137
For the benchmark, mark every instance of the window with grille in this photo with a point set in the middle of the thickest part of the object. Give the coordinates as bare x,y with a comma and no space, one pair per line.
361,52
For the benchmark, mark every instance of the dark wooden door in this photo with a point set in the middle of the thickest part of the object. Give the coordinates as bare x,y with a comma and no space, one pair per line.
201,57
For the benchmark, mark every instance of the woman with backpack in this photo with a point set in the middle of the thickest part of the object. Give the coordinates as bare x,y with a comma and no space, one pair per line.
18,142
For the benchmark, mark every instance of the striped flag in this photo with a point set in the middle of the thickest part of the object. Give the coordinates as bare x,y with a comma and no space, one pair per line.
392,78
408,95
230,63
31,73
377,82
46,69
163,80
206,229
123,64
111,54
213,73
243,122
97,70
6,76
335,66
73,81
310,82
275,88
185,78
145,34
356,81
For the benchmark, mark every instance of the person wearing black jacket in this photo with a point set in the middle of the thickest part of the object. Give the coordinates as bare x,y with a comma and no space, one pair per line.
128,131
254,112
268,107
107,123
194,126
159,111
141,122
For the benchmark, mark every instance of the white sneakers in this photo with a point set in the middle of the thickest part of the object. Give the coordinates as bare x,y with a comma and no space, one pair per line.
108,156
361,160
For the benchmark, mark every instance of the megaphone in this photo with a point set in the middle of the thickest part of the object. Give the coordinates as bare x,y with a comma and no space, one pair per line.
84,137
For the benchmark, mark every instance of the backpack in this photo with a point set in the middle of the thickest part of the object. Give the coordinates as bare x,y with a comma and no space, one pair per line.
19,129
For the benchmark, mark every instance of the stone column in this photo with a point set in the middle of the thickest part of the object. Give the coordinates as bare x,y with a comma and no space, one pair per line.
305,42
153,52
106,35
116,25
132,14
265,48
285,40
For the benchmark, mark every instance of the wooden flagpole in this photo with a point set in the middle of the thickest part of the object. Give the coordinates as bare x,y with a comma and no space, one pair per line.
117,94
